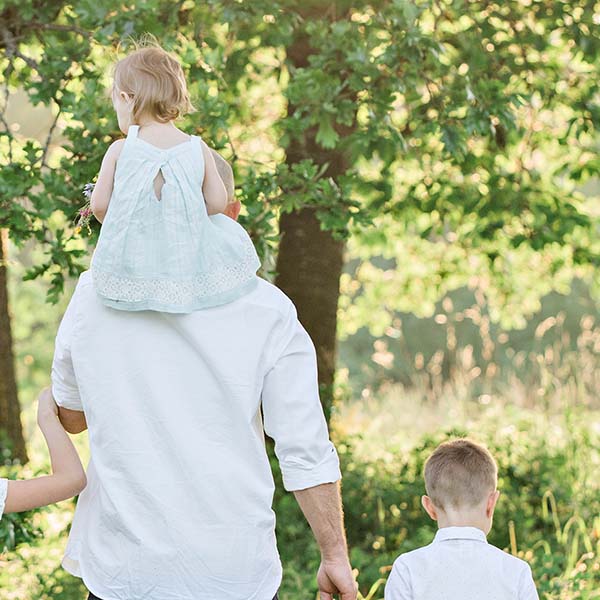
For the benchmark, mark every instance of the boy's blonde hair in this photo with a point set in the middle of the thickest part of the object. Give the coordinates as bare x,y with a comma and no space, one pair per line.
156,82
460,474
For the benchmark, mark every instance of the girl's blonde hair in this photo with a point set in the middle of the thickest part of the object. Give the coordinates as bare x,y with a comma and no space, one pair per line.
156,82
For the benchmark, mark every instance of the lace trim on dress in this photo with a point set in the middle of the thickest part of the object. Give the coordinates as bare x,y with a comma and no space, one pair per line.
178,292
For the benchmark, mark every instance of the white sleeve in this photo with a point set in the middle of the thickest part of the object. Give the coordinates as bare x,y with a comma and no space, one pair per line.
398,586
3,492
527,589
293,415
64,383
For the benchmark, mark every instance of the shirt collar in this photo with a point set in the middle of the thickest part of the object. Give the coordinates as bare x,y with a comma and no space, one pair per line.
460,533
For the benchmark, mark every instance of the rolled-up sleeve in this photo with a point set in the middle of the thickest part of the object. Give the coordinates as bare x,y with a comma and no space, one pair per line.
293,415
64,383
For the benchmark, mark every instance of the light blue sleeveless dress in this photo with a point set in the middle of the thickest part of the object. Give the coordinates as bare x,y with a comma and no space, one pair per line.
168,254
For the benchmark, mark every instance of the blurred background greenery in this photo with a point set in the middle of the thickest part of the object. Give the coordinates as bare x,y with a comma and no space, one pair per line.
420,178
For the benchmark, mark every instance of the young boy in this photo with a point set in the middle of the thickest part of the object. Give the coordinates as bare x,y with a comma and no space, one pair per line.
460,480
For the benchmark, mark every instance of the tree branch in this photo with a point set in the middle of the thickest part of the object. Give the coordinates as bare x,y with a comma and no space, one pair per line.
12,50
3,112
56,27
50,132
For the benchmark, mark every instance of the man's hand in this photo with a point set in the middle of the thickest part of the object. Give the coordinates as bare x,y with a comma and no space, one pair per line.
322,507
335,578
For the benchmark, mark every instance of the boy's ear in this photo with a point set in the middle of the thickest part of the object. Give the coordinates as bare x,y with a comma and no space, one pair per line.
429,507
125,97
491,503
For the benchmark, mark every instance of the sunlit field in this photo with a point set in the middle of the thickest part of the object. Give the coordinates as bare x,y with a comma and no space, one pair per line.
548,513
543,429
421,178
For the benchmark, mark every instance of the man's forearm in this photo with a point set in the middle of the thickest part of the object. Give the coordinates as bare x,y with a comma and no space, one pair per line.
72,420
322,507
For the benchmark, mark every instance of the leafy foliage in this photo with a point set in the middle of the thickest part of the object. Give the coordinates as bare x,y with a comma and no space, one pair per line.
469,127
548,513
15,528
470,122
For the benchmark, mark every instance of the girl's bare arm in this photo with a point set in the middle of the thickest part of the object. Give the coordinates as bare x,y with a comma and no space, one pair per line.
213,189
68,477
104,186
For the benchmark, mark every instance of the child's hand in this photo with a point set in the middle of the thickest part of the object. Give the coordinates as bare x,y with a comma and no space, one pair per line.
47,409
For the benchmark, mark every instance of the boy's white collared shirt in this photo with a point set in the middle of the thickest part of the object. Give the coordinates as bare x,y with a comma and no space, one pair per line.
460,565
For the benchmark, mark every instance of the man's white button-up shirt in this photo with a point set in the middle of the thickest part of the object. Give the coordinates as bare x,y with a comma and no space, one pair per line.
178,502
460,565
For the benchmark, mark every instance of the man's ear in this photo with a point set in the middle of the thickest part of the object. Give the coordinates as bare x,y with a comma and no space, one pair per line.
233,210
491,503
429,507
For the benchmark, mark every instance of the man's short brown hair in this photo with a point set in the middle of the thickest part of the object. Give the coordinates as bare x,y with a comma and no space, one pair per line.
460,474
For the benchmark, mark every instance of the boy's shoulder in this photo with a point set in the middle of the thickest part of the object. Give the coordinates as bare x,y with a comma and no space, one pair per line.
406,567
416,555
510,560
488,552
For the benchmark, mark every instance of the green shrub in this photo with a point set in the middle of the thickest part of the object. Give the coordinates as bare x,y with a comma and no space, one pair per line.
548,512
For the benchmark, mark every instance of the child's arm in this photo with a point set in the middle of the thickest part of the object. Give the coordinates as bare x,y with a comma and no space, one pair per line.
213,189
104,186
68,477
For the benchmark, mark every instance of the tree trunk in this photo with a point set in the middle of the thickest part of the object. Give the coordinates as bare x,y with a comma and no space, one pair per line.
10,411
310,261
309,266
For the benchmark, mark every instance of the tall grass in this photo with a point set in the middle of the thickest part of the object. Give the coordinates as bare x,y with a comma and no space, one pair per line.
461,352
539,412
532,396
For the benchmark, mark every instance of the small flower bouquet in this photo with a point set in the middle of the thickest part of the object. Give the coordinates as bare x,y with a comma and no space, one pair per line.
84,214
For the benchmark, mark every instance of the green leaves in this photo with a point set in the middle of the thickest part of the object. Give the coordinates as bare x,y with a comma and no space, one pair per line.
477,117
327,136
